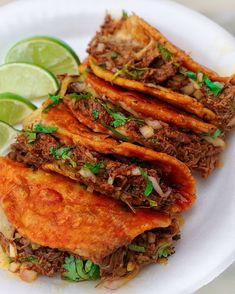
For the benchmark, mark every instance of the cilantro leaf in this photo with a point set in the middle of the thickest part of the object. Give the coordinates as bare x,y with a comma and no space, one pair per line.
132,71
152,203
154,141
119,119
95,114
55,101
136,248
149,184
38,128
115,132
62,153
31,137
81,96
163,250
214,135
192,75
114,55
95,168
124,14
79,270
31,258
166,54
215,87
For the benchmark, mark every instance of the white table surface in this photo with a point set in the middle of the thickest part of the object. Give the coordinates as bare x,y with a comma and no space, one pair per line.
222,12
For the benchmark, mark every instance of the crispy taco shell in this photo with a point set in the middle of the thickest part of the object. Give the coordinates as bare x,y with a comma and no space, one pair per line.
72,132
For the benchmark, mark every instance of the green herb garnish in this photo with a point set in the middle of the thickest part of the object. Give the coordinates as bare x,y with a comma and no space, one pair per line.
95,114
132,71
136,248
94,168
63,153
149,184
81,96
214,135
115,132
154,141
215,87
124,14
192,75
55,101
119,119
38,128
152,203
78,270
30,258
31,137
166,54
163,250
114,55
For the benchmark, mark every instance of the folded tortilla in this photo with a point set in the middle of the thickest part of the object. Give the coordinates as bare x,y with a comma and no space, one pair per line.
49,221
109,109
131,53
136,175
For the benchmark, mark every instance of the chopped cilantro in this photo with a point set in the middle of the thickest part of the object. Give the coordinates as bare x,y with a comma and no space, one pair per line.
96,167
63,153
114,55
115,132
119,119
152,203
136,248
214,135
81,96
38,128
31,137
124,14
79,270
154,140
215,87
132,71
30,258
95,114
55,101
166,54
192,75
149,184
163,250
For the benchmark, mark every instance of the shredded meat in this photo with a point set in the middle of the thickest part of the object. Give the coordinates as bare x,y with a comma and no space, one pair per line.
114,178
190,148
49,262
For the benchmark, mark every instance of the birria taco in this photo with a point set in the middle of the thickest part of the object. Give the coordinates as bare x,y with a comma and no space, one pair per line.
131,53
50,225
134,118
54,140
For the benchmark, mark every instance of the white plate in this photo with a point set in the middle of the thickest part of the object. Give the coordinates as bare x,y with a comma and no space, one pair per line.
208,237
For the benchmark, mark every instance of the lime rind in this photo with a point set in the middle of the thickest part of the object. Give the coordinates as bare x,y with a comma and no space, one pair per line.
48,52
12,96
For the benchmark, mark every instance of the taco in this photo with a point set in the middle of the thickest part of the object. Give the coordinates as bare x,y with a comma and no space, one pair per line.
131,53
50,225
119,113
138,176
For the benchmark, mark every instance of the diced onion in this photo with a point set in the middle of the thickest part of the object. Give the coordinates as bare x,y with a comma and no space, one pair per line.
198,94
114,284
147,131
188,89
153,123
200,77
217,142
156,186
136,172
110,180
12,251
28,275
195,84
100,47
130,266
86,173
14,267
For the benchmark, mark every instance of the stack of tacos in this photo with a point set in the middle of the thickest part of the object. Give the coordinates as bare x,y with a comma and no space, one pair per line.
97,180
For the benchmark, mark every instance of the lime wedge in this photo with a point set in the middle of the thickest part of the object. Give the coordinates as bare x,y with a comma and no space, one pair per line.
7,137
50,53
14,108
27,80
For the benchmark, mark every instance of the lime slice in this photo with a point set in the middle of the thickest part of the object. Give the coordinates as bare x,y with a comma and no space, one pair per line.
7,137
50,53
27,80
14,108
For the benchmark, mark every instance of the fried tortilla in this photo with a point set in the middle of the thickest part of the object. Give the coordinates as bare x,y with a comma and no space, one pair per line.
58,227
140,177
130,53
110,110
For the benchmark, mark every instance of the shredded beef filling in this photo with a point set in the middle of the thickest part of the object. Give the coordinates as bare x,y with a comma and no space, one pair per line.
192,149
148,65
49,262
106,175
